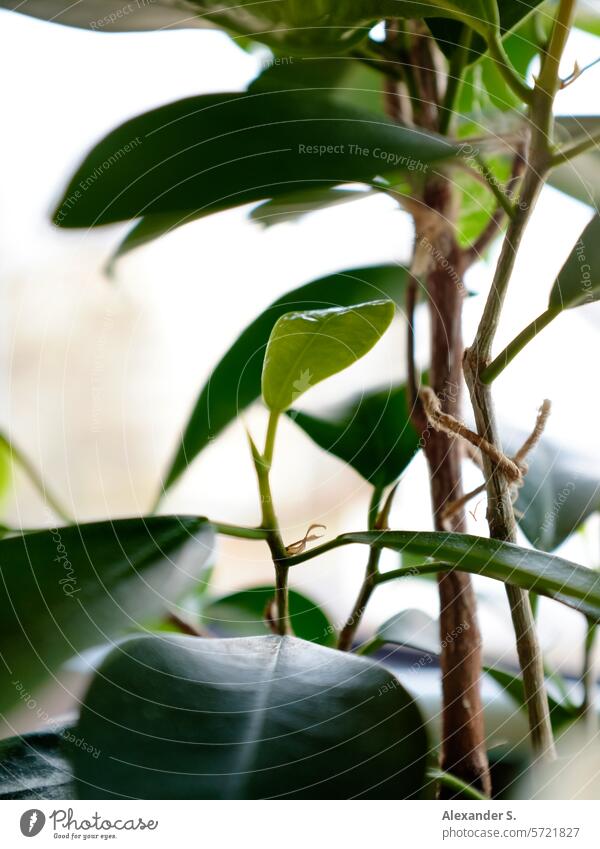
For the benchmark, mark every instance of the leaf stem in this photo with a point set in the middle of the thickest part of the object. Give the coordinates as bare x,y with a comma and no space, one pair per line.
511,77
454,79
491,372
455,783
571,151
239,531
588,681
35,478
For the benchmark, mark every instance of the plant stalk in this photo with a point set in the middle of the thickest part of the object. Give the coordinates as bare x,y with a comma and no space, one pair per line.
588,681
495,368
477,358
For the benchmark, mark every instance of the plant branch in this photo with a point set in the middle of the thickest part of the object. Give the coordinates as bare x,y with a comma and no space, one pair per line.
588,680
501,518
455,783
21,459
570,152
511,77
454,79
240,531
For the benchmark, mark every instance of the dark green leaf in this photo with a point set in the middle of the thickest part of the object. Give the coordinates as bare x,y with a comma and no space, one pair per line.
542,573
300,26
579,177
236,381
579,279
259,717
372,432
242,614
67,589
306,347
35,766
560,713
296,205
204,154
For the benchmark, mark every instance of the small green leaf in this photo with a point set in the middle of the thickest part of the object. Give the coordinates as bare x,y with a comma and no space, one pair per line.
236,380
64,590
578,282
372,433
185,718
307,347
35,766
242,614
412,628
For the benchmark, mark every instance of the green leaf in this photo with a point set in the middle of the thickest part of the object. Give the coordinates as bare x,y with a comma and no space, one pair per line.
217,151
545,574
298,26
35,766
560,491
242,614
250,718
236,381
579,279
560,712
64,590
372,433
579,177
412,628
309,346
293,207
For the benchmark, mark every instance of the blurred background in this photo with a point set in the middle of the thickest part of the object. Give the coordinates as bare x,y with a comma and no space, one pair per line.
98,375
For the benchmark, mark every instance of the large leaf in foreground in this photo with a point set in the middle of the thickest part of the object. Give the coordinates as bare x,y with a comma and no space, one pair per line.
299,26
67,589
542,573
243,613
308,346
236,381
204,154
259,717
372,433
35,766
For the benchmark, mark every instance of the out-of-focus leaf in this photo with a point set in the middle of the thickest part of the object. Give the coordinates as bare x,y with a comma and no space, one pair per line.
578,281
372,433
295,206
306,347
579,177
64,590
242,614
412,628
236,381
186,718
545,574
217,151
35,766
560,713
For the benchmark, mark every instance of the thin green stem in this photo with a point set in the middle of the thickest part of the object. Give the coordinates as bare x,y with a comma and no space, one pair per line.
455,783
375,506
28,467
489,374
348,632
239,531
570,152
454,79
270,524
511,77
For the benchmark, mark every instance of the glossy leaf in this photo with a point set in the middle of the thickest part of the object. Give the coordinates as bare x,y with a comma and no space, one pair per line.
259,717
579,177
299,26
372,433
35,766
412,628
579,279
209,153
64,590
242,614
543,573
309,346
236,381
